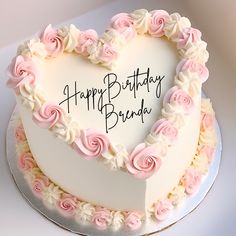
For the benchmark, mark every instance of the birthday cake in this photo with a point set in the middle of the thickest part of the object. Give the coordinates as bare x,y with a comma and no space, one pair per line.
114,129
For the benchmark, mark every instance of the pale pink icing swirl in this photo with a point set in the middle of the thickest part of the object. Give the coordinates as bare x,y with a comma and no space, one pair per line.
162,209
85,40
178,96
158,19
108,53
193,67
188,36
67,204
207,121
191,180
91,144
26,161
143,161
133,220
20,134
52,41
207,150
39,184
123,23
101,217
48,115
166,128
21,70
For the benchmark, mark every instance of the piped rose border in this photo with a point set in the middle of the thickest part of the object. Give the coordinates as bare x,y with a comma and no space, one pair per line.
84,212
179,101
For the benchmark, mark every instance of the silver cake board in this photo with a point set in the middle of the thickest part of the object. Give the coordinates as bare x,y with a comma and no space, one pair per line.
150,227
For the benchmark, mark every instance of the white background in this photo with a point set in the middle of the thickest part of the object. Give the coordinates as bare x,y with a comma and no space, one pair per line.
216,215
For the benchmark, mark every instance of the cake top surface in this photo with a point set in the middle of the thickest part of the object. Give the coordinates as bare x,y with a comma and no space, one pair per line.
129,105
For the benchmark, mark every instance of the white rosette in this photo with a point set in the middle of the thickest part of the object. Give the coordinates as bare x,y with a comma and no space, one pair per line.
196,51
31,48
117,220
70,35
174,25
84,212
67,130
50,195
189,82
141,19
116,157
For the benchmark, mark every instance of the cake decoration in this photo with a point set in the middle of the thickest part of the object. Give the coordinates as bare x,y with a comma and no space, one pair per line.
84,212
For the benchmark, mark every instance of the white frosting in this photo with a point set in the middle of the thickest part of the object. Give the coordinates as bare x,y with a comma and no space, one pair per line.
174,25
84,212
22,148
117,220
141,20
189,82
67,130
70,35
32,47
196,51
113,37
51,195
31,174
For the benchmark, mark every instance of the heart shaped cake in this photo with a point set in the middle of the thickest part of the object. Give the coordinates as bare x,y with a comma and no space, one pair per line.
114,129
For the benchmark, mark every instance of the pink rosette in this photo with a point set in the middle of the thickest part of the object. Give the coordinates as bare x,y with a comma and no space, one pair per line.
133,220
162,209
108,53
207,121
207,150
193,67
188,36
67,204
123,23
158,19
143,161
26,161
20,134
166,128
91,144
48,115
52,41
178,96
101,218
191,180
39,184
86,39
21,70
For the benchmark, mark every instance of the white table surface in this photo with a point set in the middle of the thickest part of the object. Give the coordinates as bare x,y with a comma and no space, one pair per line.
216,215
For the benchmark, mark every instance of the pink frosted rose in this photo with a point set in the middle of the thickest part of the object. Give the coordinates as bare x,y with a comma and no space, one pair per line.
20,134
133,220
193,67
207,150
162,209
48,115
108,53
178,96
191,180
143,161
188,36
26,161
52,41
158,19
67,204
207,121
39,184
101,217
166,128
86,39
21,70
123,23
91,144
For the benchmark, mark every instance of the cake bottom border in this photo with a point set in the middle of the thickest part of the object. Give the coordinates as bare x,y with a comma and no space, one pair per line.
148,228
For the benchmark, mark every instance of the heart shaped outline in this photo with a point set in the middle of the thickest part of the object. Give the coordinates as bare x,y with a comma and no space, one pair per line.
146,157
